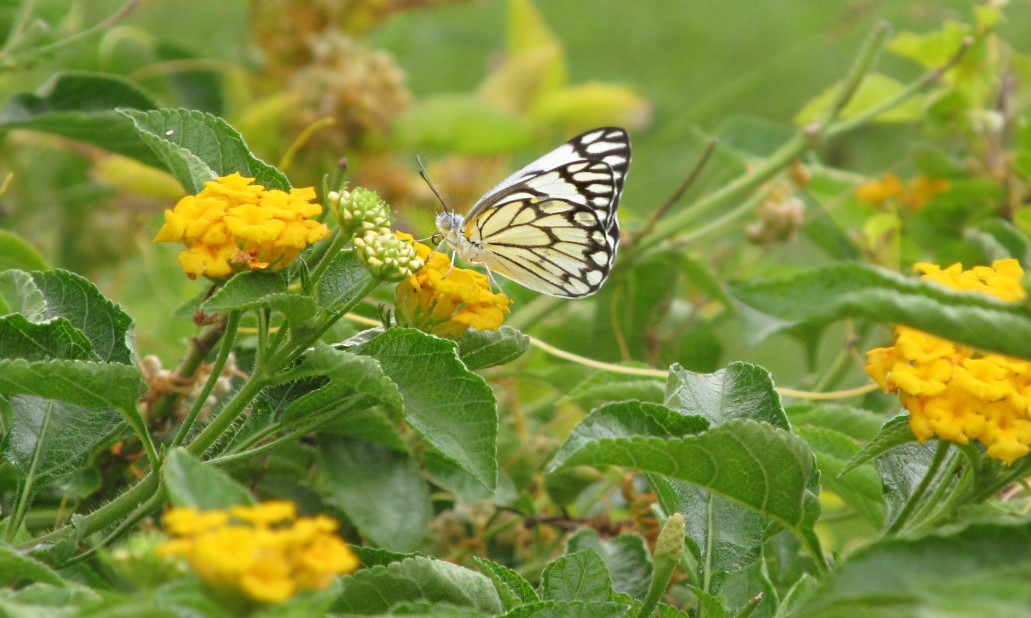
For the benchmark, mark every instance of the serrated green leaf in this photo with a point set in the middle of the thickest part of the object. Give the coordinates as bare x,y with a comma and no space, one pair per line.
84,383
894,432
373,556
901,470
603,387
20,294
380,490
345,281
451,407
347,373
425,609
375,590
979,570
856,290
578,576
449,476
625,556
854,422
570,609
734,532
16,568
191,482
27,341
628,420
67,295
259,289
999,239
196,147
480,349
81,106
48,440
742,390
759,466
513,589
15,252
861,489
370,424
46,601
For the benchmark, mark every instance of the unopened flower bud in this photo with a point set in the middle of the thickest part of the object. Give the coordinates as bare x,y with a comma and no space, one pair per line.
360,212
387,256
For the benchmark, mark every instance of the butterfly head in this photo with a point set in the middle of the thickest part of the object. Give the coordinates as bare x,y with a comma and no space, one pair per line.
449,227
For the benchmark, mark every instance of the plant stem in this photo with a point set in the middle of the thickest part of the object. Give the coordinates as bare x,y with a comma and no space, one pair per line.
229,329
921,489
335,245
228,415
200,347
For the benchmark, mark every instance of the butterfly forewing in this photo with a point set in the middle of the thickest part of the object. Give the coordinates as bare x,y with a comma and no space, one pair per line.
551,226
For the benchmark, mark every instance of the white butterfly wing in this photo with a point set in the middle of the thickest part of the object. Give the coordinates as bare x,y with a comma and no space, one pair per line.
551,226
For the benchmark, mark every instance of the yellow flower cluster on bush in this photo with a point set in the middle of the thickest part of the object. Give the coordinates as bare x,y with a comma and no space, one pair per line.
264,552
956,392
913,194
233,225
446,300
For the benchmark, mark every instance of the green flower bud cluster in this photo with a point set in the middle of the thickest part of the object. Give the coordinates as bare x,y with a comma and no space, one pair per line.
360,212
387,256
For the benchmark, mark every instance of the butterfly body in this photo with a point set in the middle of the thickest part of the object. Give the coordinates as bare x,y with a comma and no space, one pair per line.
551,226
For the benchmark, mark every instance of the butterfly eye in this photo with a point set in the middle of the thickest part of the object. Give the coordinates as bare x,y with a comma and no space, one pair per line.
437,238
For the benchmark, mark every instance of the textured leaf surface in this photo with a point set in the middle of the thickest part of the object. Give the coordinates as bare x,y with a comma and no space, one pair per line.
375,590
625,556
196,147
51,439
378,488
451,407
191,482
742,390
577,576
259,289
513,589
90,384
81,106
345,280
570,609
16,568
856,290
479,349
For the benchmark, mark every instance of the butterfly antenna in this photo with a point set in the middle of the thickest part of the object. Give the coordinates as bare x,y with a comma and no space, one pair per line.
426,178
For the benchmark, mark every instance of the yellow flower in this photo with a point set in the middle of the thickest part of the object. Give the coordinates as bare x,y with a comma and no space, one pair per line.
953,391
263,553
914,194
233,225
446,300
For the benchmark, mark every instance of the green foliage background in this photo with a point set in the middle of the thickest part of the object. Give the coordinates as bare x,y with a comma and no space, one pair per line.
543,480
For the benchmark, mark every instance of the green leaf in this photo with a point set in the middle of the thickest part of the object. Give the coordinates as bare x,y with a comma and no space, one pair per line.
380,490
46,601
461,124
857,423
373,556
999,239
28,341
196,147
480,349
602,387
48,440
874,90
933,49
734,533
570,609
578,576
344,282
742,390
513,589
861,489
375,590
56,294
626,559
90,384
192,482
347,373
259,289
901,470
451,407
895,432
856,290
759,466
15,252
81,106
16,568
980,570
628,420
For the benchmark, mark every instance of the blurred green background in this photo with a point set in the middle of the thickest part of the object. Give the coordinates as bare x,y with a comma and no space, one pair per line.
738,71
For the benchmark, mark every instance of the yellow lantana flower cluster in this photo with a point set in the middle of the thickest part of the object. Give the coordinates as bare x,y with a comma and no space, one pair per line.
233,225
956,392
446,300
913,194
264,552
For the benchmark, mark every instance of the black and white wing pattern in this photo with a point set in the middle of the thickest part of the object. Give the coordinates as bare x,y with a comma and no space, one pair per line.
551,226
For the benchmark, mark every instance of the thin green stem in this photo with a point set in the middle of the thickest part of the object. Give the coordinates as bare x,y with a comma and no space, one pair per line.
293,349
106,515
228,415
921,489
336,243
935,507
200,346
709,543
143,510
263,350
124,10
230,327
14,524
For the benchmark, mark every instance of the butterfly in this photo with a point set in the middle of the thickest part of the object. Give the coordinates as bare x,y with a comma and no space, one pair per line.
551,226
